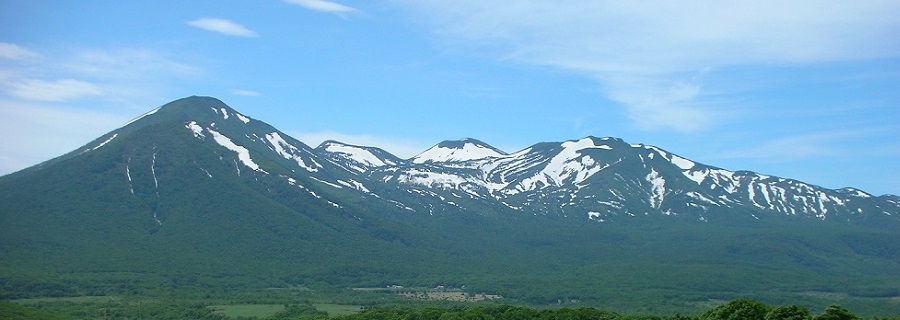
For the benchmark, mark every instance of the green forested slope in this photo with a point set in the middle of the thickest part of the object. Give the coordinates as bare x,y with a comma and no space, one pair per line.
157,211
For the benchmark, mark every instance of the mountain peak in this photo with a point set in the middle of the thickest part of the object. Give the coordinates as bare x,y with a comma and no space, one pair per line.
194,104
458,150
328,143
356,158
193,108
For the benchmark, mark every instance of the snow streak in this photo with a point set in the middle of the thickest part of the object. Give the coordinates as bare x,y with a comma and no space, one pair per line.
153,171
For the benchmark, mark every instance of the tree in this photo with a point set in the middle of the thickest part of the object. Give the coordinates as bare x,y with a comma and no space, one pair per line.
791,312
835,312
737,309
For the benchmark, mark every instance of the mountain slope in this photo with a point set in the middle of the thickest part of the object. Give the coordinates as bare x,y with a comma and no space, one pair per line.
356,158
608,179
196,195
199,188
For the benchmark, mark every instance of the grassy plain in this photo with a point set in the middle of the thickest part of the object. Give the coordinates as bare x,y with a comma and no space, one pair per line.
248,310
338,309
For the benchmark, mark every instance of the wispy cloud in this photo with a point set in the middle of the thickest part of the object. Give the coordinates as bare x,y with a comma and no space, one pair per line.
120,74
223,26
45,131
831,144
15,52
54,101
124,63
246,93
647,55
55,91
323,6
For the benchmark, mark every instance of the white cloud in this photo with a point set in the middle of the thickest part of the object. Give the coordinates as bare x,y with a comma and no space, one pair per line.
403,148
43,132
223,26
59,90
62,100
642,53
322,5
246,93
15,52
124,63
121,75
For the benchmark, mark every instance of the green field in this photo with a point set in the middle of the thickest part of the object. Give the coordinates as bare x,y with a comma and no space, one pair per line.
268,310
248,310
338,309
81,299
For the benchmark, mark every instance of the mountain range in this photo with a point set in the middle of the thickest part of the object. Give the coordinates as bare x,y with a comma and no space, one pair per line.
197,193
600,179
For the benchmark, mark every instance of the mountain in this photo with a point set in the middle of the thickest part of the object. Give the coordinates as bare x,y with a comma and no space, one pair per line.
356,158
457,151
607,179
195,194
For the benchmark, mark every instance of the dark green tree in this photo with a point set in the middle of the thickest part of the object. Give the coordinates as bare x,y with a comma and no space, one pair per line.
791,312
737,309
835,312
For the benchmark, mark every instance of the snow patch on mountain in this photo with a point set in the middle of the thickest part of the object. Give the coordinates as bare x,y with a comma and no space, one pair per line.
142,116
682,163
243,153
105,141
327,183
657,188
854,192
289,151
243,119
431,179
363,158
570,165
455,151
571,162
196,129
353,184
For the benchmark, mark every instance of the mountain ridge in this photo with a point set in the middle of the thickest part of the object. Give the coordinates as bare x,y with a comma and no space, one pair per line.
197,195
457,151
603,178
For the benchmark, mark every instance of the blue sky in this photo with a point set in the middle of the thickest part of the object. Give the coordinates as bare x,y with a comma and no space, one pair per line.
808,90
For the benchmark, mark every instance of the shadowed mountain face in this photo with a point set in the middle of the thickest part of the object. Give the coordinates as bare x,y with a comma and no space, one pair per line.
197,194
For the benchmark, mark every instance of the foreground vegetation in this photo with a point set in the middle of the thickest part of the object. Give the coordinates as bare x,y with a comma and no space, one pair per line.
106,308
637,269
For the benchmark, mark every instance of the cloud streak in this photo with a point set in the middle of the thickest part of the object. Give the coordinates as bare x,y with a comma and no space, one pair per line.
124,63
223,26
15,52
246,93
120,74
647,55
42,132
53,91
323,6
54,101
828,144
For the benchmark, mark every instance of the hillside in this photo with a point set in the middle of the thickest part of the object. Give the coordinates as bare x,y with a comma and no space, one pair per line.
198,196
